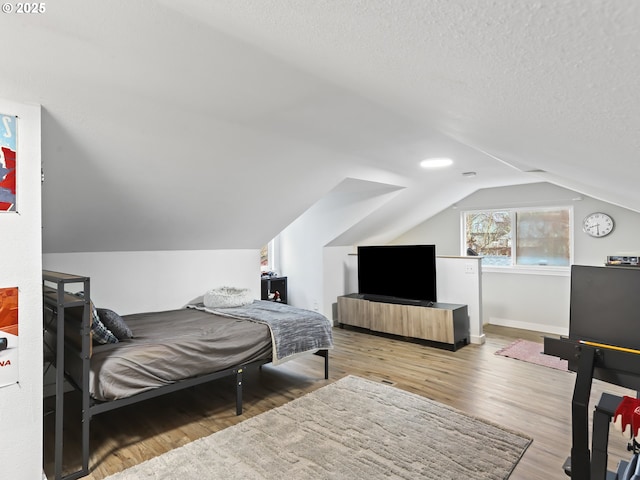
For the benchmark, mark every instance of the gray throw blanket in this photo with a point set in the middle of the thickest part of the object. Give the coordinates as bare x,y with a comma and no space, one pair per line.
293,330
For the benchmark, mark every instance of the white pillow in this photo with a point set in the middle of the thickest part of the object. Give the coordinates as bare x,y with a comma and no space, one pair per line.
225,297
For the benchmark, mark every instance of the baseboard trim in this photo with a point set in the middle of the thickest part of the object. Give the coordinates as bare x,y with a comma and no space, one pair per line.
536,327
478,339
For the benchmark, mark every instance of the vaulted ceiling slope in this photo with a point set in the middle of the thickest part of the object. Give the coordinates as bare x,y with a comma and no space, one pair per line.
199,124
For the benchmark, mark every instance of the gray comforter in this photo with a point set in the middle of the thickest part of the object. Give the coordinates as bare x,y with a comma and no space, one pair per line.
293,330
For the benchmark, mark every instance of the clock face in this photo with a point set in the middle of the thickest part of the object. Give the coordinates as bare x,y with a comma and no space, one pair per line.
597,224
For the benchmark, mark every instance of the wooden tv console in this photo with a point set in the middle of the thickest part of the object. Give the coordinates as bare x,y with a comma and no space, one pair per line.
445,324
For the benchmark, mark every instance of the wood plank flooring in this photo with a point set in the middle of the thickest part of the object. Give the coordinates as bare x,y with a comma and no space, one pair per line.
528,398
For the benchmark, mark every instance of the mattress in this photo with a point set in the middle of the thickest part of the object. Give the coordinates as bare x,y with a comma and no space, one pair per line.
173,345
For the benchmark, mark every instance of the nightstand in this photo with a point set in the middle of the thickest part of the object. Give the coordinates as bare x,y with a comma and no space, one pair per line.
270,285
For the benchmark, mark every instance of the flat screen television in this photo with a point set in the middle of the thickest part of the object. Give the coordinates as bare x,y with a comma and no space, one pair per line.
398,272
605,305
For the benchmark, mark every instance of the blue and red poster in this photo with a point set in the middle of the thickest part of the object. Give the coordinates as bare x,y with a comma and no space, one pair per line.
8,130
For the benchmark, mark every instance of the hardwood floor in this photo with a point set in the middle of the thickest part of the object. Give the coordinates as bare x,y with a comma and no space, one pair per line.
530,399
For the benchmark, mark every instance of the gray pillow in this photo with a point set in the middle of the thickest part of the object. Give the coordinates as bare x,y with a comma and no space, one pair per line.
115,323
100,332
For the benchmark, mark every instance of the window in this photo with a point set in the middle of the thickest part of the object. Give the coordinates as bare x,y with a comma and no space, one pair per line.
264,259
268,257
520,237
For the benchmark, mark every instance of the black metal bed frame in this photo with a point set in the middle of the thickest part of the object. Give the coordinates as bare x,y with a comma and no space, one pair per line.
73,364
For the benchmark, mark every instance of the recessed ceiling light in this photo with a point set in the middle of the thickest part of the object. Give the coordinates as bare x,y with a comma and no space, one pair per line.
436,162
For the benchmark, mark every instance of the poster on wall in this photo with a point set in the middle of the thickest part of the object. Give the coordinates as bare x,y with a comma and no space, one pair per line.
8,336
8,145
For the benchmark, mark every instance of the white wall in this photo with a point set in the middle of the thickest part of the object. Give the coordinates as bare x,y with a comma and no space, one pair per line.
301,263
336,264
132,282
459,280
533,301
20,257
309,268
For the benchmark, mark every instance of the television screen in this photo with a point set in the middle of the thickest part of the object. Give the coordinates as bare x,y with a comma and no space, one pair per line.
605,305
400,271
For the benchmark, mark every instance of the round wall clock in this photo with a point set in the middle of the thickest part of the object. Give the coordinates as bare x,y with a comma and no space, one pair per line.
597,224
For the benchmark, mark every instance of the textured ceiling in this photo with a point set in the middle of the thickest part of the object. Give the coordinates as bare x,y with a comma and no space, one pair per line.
214,124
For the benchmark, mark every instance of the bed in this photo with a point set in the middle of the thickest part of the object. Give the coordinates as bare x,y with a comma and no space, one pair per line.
167,351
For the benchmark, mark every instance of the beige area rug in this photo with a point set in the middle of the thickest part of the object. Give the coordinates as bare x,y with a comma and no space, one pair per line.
532,352
351,429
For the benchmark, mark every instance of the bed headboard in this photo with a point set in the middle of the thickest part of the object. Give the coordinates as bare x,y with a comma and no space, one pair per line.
75,311
72,321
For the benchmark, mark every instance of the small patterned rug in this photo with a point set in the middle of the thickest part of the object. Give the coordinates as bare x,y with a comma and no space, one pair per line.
532,352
